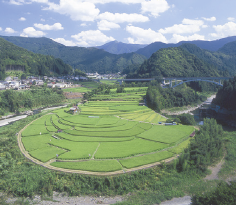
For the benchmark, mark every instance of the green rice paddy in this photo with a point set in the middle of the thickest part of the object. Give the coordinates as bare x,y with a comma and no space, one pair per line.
105,136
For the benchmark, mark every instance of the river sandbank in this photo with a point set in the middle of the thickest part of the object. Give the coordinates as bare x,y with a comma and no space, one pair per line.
189,109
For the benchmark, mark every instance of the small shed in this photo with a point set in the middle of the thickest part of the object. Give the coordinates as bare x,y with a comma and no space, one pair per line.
141,104
193,134
74,109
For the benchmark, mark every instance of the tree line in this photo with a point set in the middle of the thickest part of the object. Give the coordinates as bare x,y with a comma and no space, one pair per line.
158,98
14,101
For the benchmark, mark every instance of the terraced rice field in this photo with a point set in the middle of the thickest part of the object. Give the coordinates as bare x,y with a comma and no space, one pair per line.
104,137
112,134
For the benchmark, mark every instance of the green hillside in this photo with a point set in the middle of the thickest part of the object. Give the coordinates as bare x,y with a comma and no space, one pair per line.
224,59
86,59
229,48
37,64
174,62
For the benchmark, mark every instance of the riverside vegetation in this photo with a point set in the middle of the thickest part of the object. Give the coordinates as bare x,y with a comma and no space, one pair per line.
16,101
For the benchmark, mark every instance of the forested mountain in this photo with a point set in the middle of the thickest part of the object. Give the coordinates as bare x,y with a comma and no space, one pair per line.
36,64
224,62
208,45
229,49
174,62
226,95
85,59
116,47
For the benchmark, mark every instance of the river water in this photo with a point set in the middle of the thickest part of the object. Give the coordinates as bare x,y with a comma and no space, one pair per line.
205,105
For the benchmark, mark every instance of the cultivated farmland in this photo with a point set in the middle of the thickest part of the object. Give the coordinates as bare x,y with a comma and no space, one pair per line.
104,136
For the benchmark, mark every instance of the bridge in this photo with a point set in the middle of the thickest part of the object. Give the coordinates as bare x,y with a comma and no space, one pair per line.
177,80
181,80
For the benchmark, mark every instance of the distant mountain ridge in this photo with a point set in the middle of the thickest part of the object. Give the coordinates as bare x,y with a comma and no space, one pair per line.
85,59
116,47
208,45
219,55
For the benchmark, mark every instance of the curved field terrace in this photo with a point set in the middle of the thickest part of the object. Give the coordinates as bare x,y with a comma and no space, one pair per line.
106,136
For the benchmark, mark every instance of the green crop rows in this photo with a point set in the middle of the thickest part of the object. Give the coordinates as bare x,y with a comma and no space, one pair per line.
105,136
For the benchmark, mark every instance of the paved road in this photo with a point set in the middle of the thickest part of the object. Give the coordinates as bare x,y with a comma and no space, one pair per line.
12,119
186,200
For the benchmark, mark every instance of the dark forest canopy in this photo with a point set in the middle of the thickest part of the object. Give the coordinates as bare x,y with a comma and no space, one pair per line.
35,64
226,95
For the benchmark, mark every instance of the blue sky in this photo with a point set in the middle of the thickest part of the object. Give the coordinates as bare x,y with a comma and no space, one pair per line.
95,22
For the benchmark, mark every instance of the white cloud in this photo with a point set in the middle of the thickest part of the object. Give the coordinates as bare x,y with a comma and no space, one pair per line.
9,30
42,20
17,2
142,36
0,29
115,1
231,19
77,10
20,2
83,24
177,38
64,42
210,19
22,19
228,29
31,32
106,25
55,27
91,38
155,7
187,26
40,1
123,17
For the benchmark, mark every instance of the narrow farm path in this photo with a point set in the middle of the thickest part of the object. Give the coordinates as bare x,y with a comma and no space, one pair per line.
215,170
95,151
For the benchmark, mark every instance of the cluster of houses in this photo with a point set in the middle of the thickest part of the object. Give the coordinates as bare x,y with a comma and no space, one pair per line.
17,84
60,82
104,76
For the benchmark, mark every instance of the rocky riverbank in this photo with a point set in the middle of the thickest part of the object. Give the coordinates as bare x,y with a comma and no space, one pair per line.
189,109
62,198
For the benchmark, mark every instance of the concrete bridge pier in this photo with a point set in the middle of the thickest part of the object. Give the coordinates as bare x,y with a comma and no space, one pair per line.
220,82
170,83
